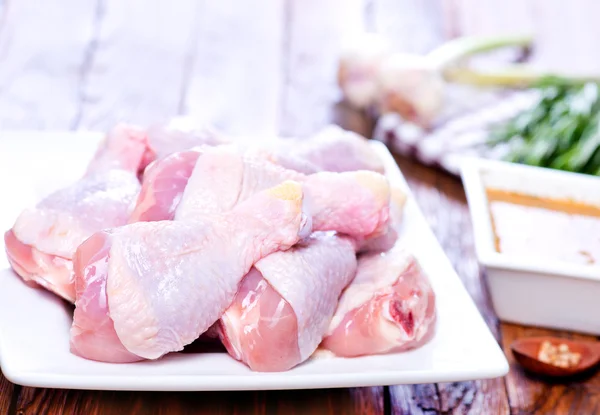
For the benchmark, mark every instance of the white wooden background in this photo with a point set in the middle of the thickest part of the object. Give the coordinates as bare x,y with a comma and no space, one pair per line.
249,65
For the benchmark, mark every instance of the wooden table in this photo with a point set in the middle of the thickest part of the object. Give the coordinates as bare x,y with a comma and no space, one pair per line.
265,66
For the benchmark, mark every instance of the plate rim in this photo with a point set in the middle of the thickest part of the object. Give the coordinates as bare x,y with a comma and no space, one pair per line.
263,381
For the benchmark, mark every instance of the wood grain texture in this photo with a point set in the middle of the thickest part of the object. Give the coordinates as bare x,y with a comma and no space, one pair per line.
7,390
475,397
42,51
136,64
415,400
529,394
412,26
348,401
492,17
315,32
237,73
443,202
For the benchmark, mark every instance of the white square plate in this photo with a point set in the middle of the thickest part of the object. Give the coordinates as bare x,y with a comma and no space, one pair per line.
34,325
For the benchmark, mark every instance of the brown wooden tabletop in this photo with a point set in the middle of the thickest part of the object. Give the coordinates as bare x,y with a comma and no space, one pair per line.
268,66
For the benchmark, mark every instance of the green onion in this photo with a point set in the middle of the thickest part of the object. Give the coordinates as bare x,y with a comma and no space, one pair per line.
561,131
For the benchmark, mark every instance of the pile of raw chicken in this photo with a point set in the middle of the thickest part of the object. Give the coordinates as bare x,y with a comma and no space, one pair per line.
176,234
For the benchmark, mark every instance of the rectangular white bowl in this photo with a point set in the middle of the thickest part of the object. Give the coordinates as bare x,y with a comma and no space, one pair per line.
546,293
34,324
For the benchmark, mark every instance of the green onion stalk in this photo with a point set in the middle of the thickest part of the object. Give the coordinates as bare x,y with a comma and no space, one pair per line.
413,85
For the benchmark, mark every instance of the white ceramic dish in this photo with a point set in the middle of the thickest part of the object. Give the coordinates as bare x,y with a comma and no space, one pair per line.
34,325
540,292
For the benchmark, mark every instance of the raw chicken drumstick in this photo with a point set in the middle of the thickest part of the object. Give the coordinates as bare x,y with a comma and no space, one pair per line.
331,149
285,303
353,203
166,179
150,288
180,134
163,185
149,144
389,307
94,311
42,242
334,149
387,240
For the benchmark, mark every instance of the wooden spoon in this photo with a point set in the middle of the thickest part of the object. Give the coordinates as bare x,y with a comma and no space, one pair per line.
526,352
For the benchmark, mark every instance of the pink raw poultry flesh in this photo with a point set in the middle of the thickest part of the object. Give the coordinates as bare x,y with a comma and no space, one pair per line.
165,180
335,149
353,203
93,333
303,283
213,180
41,244
389,307
285,303
220,240
162,284
180,134
163,185
124,148
387,240
133,149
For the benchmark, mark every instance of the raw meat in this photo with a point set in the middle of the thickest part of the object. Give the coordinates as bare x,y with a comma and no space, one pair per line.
125,147
164,182
166,179
131,148
254,245
41,244
335,149
387,240
330,149
180,134
285,303
353,203
43,239
167,282
93,334
281,157
261,328
366,193
389,307
163,185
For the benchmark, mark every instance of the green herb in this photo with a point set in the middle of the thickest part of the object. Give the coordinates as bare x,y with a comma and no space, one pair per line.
562,131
